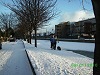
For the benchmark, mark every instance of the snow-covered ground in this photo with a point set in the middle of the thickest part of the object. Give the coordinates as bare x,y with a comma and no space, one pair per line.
53,62
45,44
13,59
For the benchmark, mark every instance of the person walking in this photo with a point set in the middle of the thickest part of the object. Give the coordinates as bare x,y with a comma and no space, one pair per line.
51,41
54,42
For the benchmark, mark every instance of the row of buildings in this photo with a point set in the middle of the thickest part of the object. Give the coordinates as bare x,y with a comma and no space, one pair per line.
84,28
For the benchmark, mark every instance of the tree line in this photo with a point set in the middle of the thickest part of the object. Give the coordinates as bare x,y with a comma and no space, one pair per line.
31,15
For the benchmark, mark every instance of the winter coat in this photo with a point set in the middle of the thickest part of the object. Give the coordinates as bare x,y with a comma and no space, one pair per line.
53,40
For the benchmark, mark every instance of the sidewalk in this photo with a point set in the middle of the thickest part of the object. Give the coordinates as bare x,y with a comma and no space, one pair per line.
13,59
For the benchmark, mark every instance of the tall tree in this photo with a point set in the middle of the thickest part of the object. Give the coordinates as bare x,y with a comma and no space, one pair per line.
96,69
7,21
34,12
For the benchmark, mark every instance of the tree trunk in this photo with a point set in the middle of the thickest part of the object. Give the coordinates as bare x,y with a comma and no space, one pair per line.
24,37
35,36
96,68
30,37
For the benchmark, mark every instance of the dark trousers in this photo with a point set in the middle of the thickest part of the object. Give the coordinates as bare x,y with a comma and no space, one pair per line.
54,46
51,45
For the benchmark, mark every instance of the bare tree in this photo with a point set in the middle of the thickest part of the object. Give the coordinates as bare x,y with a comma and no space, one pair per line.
7,21
34,13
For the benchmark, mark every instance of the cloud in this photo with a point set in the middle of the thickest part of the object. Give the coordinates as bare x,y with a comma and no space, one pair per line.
67,16
76,16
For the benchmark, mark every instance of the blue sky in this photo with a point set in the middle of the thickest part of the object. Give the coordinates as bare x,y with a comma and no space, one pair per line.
4,9
72,6
69,11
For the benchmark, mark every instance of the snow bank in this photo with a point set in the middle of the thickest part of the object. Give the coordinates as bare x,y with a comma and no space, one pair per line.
53,62
46,63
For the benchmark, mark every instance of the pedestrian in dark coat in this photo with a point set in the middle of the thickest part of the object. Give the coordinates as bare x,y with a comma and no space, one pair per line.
51,41
54,42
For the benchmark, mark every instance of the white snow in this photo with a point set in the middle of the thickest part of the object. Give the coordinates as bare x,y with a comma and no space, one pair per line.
4,56
45,44
13,59
53,62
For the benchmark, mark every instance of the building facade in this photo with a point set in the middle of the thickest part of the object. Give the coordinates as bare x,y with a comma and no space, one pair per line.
84,28
62,30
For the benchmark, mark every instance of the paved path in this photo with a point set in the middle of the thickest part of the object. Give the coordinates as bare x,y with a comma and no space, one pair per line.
13,59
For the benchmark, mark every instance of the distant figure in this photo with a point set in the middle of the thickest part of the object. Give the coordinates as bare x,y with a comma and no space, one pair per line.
53,40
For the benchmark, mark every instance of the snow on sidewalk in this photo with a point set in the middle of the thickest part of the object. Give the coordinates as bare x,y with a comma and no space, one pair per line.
13,59
53,62
4,56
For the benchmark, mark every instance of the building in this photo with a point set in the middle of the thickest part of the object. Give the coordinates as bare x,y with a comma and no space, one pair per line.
62,30
84,28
